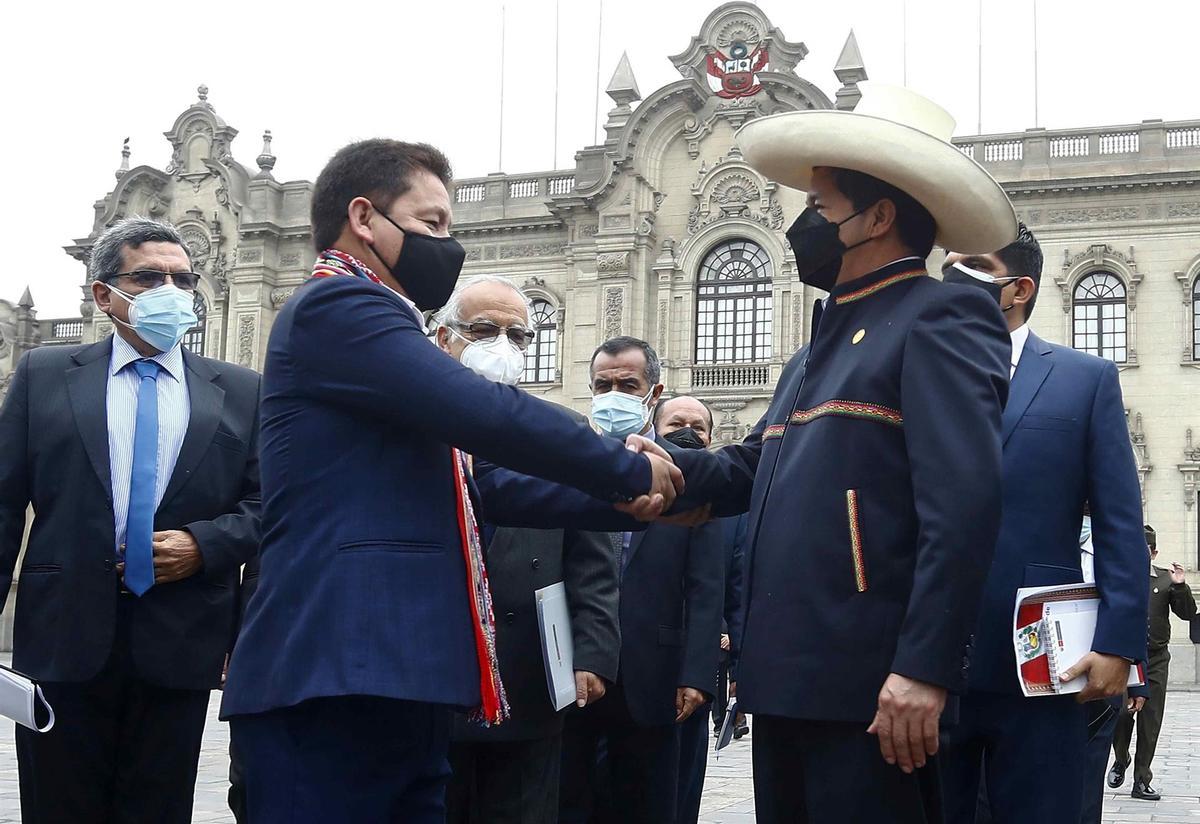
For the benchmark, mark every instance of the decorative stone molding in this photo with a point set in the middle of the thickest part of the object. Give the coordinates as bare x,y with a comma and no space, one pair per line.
732,189
1141,454
1183,210
250,256
1099,214
1187,284
245,340
289,259
1189,472
610,264
614,310
729,429
198,244
280,294
528,250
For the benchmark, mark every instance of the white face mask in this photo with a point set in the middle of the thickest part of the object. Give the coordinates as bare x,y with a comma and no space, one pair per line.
496,359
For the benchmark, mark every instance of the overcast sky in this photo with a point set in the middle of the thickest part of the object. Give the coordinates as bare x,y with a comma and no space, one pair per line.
78,79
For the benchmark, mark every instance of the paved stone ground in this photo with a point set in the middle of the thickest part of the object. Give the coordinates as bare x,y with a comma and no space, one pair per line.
728,794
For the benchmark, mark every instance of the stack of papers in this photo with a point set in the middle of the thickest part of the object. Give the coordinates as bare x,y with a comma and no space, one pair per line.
558,646
1053,628
21,700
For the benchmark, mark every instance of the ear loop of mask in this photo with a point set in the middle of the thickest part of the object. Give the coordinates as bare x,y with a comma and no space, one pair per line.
986,278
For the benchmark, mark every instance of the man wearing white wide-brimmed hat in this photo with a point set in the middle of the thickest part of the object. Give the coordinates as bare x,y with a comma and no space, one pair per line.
873,481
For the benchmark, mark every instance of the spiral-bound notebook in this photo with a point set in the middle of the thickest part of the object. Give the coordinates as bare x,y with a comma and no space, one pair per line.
1053,628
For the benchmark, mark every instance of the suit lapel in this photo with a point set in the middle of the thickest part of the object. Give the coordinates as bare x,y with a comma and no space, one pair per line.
207,401
87,388
1032,369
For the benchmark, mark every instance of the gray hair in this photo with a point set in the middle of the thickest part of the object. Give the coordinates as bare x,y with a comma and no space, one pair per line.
107,257
623,343
451,314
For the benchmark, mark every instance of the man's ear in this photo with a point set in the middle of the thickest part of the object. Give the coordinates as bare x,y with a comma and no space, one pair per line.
358,219
102,296
443,339
656,393
883,216
1026,289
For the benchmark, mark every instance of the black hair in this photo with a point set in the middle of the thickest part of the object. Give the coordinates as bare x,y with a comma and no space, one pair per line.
1023,258
662,404
914,224
1151,537
379,170
623,343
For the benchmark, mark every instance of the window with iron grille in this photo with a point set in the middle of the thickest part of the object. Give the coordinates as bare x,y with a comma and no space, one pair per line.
1196,318
1100,312
193,339
541,358
733,304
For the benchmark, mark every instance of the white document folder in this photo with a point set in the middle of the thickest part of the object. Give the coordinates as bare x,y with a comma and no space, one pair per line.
21,700
558,649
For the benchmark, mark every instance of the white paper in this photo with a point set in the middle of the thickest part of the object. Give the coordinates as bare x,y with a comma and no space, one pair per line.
20,698
558,648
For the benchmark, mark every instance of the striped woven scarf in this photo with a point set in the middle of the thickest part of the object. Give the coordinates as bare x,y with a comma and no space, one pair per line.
493,707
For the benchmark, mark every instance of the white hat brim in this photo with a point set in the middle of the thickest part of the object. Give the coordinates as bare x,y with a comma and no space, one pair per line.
972,211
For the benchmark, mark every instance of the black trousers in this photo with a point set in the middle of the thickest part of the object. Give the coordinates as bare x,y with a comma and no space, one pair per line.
614,770
504,782
1148,721
693,762
1011,743
121,750
827,772
1096,759
721,700
352,758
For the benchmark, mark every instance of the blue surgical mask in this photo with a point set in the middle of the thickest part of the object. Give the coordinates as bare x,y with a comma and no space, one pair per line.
619,414
160,317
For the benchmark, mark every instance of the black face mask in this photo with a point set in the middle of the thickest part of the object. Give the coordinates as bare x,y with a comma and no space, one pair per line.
993,286
818,249
685,438
427,267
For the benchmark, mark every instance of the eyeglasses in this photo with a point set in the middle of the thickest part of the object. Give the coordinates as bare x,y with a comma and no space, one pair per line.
485,330
150,279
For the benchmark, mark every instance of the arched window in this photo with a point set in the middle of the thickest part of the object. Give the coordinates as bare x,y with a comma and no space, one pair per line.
194,338
733,313
1196,318
1100,315
541,357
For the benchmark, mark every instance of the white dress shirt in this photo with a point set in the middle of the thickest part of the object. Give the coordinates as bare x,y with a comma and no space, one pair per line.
1019,336
174,413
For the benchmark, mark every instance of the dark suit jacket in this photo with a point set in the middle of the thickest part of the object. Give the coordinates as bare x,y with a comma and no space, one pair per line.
362,586
671,603
873,486
519,562
1166,597
1066,443
733,533
55,435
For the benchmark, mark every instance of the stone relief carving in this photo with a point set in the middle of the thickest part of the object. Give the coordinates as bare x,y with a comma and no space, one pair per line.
198,245
740,192
614,306
662,327
1137,437
289,259
220,273
735,188
588,229
1099,214
612,263
250,256
279,295
245,339
616,221
740,28
473,253
525,250
1183,210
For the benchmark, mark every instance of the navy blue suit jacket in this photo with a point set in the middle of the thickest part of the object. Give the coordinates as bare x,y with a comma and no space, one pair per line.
1066,443
362,587
734,530
873,486
671,603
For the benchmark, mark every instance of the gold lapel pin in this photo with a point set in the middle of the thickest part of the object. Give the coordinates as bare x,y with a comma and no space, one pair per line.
858,336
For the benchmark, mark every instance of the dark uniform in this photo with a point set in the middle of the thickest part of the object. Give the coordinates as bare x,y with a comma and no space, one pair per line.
1165,597
873,487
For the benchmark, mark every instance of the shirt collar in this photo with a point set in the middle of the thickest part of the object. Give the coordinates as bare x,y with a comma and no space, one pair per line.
872,282
1019,336
124,354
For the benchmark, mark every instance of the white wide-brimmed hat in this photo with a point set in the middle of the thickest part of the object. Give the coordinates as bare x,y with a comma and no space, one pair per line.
901,138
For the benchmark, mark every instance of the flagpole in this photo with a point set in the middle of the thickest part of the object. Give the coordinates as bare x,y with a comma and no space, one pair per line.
979,74
596,104
904,37
1036,122
500,153
554,163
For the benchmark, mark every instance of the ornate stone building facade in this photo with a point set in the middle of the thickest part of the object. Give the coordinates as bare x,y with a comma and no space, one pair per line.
664,232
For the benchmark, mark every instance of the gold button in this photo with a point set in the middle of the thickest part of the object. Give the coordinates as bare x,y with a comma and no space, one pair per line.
858,336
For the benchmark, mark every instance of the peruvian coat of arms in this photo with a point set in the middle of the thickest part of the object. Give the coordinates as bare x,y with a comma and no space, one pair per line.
734,75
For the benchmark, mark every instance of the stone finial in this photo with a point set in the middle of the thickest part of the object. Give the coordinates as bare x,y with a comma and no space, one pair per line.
623,88
124,160
202,90
265,160
850,71
26,301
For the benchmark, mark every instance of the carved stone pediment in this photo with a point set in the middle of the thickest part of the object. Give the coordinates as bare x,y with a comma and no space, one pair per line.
732,189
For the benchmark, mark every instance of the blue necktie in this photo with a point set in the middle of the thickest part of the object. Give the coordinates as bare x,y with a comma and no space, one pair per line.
143,480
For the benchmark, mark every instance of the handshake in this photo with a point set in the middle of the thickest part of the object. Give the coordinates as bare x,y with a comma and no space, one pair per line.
666,483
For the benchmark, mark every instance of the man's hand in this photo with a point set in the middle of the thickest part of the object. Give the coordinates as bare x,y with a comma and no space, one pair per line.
1135,703
589,687
224,671
693,517
686,702
1177,576
666,481
732,689
176,556
1107,675
725,641
907,721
